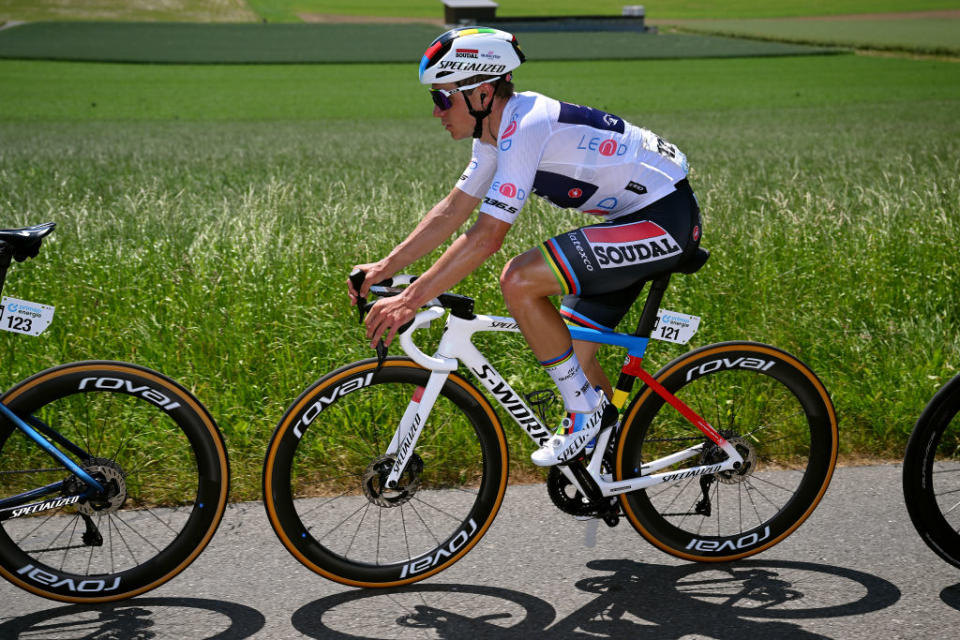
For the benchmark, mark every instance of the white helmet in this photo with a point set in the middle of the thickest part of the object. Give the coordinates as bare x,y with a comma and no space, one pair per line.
473,51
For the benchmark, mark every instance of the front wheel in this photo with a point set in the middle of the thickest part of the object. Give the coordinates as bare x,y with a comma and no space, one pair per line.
327,463
147,440
931,473
777,414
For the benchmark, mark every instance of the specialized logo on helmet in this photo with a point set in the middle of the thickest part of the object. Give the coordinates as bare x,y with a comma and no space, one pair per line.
478,67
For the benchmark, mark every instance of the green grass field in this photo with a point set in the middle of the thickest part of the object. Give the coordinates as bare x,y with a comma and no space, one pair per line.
128,10
304,43
935,36
208,217
291,10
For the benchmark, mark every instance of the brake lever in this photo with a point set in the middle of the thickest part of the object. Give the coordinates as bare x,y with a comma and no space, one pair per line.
381,354
356,280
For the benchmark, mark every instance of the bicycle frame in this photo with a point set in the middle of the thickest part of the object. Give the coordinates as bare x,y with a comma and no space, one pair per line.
94,487
456,346
34,433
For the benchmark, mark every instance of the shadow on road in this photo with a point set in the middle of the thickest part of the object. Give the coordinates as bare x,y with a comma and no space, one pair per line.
139,619
951,596
632,601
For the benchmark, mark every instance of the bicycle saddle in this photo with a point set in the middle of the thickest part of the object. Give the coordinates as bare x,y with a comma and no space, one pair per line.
693,263
24,242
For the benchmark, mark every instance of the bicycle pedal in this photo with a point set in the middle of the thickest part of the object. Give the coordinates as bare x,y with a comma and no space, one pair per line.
611,519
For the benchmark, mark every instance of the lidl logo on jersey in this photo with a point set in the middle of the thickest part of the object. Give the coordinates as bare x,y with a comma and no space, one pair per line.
629,244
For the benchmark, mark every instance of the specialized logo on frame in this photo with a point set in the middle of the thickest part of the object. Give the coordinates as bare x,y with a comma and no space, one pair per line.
630,244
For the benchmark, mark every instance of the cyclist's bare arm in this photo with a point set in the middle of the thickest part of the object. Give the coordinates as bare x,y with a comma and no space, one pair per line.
467,252
441,222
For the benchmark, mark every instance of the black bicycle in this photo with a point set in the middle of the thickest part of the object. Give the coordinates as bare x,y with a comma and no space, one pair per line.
931,473
113,477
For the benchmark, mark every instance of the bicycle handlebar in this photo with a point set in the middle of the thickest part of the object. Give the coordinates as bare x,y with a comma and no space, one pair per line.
459,306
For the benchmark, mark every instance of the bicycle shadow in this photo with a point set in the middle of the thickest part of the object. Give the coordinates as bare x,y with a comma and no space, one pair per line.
140,619
634,601
951,596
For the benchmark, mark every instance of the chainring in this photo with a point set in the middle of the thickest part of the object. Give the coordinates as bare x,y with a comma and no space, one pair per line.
566,497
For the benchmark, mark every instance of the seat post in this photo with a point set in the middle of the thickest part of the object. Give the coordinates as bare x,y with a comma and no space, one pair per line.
5,256
649,316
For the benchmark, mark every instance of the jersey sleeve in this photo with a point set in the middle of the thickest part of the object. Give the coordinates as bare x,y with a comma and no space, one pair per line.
478,175
519,150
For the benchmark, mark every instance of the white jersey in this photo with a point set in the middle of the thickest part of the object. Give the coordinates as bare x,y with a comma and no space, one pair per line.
574,157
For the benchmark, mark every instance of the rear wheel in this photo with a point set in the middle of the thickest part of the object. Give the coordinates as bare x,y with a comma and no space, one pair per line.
931,473
326,466
143,437
781,420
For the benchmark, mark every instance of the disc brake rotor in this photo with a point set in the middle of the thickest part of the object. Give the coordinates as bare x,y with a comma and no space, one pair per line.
749,454
374,481
109,474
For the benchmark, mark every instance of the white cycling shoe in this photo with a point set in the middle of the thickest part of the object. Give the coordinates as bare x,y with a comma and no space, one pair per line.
576,430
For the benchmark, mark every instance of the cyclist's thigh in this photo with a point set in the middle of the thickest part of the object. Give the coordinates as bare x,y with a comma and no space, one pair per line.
602,268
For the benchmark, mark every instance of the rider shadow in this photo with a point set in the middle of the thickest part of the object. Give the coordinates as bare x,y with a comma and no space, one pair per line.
140,619
635,601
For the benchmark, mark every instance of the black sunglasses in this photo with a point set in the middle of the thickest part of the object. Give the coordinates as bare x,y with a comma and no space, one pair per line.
441,97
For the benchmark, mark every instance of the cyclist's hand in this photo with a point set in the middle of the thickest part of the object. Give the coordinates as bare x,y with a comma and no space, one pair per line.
374,272
387,316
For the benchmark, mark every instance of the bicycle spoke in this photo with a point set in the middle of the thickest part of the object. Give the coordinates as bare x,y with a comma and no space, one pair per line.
357,530
438,509
339,524
73,532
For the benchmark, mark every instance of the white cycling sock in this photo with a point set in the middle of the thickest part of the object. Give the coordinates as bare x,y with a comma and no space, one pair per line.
578,395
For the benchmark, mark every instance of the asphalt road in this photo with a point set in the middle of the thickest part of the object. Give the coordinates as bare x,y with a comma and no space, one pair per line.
856,569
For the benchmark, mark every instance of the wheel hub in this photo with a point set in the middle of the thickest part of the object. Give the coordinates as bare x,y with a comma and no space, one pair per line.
111,476
748,452
375,481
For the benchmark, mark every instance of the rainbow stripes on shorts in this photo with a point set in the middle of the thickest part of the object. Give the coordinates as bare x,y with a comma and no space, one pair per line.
561,268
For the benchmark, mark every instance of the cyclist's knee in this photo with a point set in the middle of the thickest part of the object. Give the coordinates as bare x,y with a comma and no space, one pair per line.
516,281
527,276
513,279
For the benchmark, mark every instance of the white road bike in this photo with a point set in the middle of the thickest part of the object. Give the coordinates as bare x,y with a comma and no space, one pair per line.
389,470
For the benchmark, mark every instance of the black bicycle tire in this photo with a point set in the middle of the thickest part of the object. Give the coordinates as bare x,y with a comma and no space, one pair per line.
690,368
296,536
206,443
918,487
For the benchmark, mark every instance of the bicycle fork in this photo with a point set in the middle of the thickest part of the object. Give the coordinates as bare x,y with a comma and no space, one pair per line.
411,424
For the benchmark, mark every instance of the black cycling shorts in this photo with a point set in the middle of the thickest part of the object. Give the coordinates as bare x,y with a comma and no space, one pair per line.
602,267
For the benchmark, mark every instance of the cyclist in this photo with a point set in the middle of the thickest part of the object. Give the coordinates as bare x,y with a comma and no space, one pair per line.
574,157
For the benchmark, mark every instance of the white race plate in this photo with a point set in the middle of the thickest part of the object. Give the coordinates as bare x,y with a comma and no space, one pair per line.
672,326
22,316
